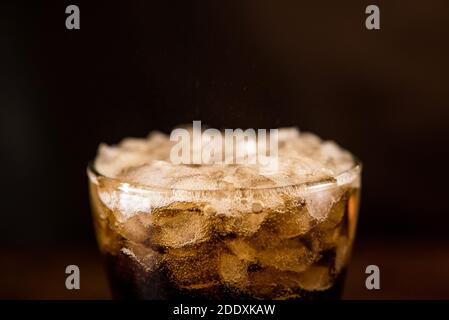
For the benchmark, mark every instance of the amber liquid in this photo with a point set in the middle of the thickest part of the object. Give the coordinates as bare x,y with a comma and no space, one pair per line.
129,281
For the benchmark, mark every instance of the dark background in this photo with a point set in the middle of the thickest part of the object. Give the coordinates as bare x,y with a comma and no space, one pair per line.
136,66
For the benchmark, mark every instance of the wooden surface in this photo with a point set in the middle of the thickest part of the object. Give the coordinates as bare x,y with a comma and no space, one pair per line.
408,271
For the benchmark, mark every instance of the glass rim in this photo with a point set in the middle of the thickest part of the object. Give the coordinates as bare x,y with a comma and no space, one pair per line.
343,178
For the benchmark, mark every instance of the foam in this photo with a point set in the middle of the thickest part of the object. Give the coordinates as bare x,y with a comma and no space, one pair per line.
302,158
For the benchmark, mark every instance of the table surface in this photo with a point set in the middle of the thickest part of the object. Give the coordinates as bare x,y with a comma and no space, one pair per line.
408,271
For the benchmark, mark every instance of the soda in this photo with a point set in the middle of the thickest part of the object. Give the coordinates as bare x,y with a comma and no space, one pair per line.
225,231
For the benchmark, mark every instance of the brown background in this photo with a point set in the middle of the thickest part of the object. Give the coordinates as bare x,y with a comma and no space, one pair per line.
138,66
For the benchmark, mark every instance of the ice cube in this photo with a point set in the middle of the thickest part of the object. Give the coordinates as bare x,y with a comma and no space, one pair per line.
315,278
247,177
193,266
330,150
289,221
154,173
233,271
112,160
249,223
327,238
180,224
288,255
292,221
134,229
144,255
286,134
134,144
241,224
156,139
335,215
242,249
310,140
320,202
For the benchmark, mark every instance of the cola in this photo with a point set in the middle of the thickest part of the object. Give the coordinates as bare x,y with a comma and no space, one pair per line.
231,232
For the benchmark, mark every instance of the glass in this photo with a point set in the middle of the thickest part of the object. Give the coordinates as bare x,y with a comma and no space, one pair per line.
170,244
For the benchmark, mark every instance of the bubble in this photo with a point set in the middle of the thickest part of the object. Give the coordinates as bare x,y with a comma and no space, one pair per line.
257,207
